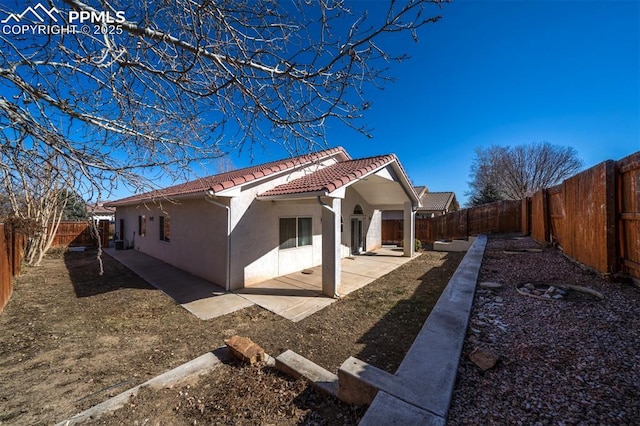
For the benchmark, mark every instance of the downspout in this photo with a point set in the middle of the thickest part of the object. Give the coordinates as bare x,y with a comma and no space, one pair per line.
209,199
325,205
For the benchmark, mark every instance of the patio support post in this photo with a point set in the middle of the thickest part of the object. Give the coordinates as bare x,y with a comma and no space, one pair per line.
409,229
331,267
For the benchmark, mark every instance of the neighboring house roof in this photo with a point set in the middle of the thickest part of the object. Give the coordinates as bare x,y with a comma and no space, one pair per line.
332,177
233,178
420,190
100,209
439,201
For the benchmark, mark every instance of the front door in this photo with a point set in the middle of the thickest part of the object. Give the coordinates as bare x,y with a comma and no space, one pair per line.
357,240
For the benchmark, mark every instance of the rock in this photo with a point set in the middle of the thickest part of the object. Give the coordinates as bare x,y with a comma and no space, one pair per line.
491,285
483,358
525,290
499,300
245,349
557,296
530,286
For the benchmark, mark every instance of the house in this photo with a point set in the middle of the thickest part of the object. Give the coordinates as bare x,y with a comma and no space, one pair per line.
436,204
98,211
431,204
249,225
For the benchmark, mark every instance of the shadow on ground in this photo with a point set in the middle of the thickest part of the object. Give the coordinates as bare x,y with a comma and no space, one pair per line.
84,272
397,329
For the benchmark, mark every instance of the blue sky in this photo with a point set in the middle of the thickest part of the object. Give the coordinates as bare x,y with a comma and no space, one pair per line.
505,73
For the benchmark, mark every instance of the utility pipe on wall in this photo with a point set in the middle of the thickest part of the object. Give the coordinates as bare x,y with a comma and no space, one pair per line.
325,205
209,199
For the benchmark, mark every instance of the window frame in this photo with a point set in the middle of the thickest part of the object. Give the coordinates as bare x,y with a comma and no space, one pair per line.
299,228
164,222
142,225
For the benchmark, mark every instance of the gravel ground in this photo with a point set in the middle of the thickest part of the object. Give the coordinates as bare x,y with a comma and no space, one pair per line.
570,361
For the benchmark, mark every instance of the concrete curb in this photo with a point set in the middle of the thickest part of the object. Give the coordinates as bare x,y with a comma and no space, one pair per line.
195,367
430,367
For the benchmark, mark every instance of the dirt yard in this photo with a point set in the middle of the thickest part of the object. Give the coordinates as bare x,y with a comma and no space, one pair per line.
70,339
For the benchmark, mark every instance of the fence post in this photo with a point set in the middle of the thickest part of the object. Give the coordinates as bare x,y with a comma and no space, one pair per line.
611,223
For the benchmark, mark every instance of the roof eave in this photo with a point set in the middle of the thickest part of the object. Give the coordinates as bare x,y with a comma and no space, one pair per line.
294,196
167,198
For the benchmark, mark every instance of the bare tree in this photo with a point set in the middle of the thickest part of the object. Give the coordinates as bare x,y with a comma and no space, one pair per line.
96,94
37,197
159,85
513,173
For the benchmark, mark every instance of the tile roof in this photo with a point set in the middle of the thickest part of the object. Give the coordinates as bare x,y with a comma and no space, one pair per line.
332,177
100,208
436,200
420,190
230,179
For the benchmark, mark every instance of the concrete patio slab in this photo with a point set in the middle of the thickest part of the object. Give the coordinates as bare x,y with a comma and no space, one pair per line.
294,296
216,306
202,298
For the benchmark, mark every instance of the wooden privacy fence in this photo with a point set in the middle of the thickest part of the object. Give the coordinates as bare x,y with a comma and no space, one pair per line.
11,250
74,234
501,216
593,216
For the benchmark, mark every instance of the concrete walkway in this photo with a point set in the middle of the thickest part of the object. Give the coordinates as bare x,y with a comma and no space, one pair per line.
420,391
202,298
294,296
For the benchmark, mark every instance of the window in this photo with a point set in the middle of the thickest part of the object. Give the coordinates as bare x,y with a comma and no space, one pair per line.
142,225
165,228
295,232
358,209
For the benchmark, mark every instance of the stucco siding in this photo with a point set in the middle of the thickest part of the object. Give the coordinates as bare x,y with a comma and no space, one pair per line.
255,240
197,240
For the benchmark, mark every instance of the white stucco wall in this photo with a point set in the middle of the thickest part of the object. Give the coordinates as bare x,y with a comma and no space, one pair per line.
197,241
255,241
198,232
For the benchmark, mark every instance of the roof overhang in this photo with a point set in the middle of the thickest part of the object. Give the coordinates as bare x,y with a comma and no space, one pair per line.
163,199
386,185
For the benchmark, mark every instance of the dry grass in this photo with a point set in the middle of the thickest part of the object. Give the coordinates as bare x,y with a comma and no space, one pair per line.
70,339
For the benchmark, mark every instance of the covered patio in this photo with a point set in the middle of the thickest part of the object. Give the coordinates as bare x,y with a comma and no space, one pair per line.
297,295
293,296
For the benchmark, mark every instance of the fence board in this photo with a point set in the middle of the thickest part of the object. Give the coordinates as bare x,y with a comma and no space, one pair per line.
11,251
539,220
72,234
590,217
392,231
6,278
556,215
501,216
525,223
628,210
